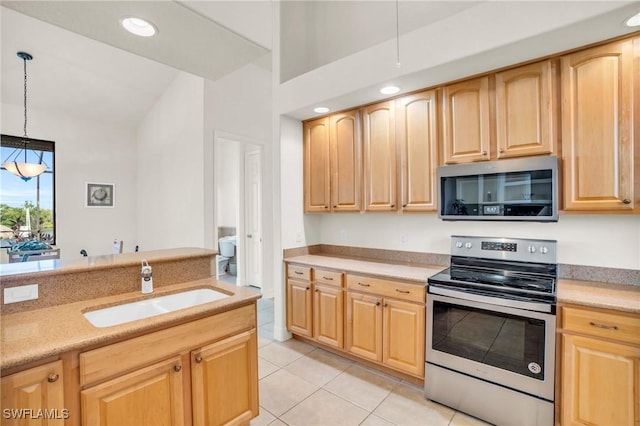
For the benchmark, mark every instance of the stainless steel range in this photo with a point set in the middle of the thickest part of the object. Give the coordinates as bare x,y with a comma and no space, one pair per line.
490,346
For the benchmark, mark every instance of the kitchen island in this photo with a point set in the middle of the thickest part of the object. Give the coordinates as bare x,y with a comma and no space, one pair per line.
196,365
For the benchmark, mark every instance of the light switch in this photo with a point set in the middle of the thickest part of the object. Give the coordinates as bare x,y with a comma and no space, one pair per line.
20,294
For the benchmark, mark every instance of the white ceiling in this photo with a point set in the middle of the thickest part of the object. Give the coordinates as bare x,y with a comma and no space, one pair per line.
86,65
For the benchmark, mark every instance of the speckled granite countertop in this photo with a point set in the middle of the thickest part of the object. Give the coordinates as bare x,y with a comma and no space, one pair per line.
51,267
600,295
589,293
41,333
402,272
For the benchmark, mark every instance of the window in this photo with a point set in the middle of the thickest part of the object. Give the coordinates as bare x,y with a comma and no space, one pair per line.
27,209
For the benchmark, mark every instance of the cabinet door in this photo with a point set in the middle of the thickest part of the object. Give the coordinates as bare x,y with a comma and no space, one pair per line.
525,110
465,127
417,133
364,326
379,157
403,336
27,392
346,160
299,303
151,396
597,130
317,183
224,381
328,315
599,382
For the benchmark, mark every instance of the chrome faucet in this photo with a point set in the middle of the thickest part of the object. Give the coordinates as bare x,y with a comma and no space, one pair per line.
147,280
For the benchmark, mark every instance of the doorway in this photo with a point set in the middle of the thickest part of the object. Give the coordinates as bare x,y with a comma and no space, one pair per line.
238,210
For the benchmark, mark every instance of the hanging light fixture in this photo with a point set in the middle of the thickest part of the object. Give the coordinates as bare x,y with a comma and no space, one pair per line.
13,163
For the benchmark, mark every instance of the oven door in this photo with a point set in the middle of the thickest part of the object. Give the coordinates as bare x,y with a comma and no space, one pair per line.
508,346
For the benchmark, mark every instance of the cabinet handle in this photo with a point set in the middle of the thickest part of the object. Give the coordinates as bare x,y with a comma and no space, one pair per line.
198,358
393,205
404,205
484,153
385,305
298,272
402,291
377,303
326,207
177,368
307,288
606,327
335,207
626,201
317,290
53,377
501,150
364,285
328,278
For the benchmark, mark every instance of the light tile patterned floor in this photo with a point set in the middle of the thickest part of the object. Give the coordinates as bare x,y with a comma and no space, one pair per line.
301,385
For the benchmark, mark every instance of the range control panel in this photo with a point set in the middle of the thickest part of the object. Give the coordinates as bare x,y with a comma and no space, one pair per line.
517,249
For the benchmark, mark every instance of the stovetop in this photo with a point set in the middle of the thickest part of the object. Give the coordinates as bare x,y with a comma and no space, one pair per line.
501,267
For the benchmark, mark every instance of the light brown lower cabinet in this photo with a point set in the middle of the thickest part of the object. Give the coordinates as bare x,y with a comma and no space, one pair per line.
223,375
328,315
600,372
34,396
299,307
149,396
315,304
384,329
203,372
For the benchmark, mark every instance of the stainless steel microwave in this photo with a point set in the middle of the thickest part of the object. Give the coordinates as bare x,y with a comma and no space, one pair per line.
522,189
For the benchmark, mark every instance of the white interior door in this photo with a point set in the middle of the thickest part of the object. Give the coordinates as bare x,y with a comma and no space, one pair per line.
253,218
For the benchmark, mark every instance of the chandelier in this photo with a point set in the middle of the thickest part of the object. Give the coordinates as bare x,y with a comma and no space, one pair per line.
17,162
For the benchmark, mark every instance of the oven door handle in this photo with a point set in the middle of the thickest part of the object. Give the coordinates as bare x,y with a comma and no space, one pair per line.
464,295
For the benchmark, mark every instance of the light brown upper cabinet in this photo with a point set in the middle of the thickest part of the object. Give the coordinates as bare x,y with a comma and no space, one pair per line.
526,110
332,164
597,128
465,121
346,160
317,183
379,157
417,133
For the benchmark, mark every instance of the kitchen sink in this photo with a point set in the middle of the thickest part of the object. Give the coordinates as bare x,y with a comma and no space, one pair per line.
127,312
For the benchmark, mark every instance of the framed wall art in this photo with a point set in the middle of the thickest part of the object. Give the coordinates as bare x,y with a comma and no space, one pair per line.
100,195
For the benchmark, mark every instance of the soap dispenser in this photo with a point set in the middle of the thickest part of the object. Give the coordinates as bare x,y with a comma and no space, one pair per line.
147,279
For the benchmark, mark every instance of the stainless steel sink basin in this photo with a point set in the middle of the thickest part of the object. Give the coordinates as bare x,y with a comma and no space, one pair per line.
133,311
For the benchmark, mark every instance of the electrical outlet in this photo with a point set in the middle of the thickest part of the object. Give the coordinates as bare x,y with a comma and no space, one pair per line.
343,235
298,236
404,240
20,294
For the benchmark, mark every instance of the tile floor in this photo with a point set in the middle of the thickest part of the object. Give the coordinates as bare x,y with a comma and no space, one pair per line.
303,385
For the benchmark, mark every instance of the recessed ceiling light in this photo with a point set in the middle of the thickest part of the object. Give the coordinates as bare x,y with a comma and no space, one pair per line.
138,26
389,90
634,21
321,110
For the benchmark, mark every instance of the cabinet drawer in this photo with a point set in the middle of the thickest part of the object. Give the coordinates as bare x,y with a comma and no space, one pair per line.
109,361
325,276
613,325
299,272
387,288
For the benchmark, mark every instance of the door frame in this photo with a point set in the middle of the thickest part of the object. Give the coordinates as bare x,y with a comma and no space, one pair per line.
220,137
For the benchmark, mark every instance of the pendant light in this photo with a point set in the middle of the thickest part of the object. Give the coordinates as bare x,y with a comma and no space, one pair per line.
13,163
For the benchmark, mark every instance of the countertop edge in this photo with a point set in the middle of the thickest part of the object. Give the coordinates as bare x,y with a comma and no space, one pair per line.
9,272
400,271
596,294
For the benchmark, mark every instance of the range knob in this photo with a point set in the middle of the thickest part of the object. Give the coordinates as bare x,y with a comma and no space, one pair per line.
459,244
544,250
531,249
468,245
